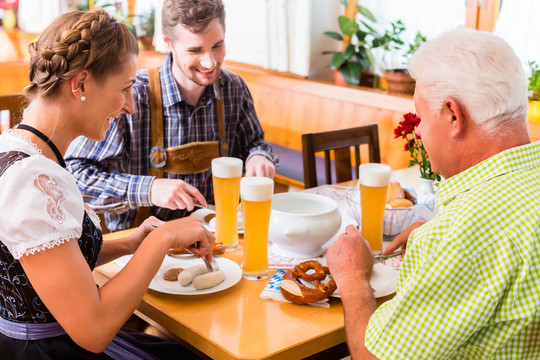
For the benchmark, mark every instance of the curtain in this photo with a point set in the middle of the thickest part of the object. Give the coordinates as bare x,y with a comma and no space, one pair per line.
430,17
274,34
283,35
35,15
518,24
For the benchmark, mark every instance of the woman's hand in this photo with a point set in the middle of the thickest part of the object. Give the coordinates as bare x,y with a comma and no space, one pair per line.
136,238
116,247
188,233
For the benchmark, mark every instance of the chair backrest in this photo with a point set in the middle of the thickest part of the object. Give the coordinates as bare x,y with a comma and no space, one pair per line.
15,104
340,141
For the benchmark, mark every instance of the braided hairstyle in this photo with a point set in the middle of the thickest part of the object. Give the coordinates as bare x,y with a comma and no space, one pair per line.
76,41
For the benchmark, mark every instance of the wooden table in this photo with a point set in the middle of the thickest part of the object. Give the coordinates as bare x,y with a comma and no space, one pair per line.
237,324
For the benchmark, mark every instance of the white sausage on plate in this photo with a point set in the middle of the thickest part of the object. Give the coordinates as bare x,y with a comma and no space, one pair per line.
186,277
208,280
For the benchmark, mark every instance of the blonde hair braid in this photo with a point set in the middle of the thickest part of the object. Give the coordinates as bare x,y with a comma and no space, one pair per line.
74,42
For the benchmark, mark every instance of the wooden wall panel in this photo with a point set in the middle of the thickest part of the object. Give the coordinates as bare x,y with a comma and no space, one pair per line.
14,76
288,105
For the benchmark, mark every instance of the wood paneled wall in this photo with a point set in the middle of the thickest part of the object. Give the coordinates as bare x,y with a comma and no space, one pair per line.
288,105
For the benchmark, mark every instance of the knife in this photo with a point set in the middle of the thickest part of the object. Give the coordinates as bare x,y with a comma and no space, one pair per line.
208,265
209,206
380,257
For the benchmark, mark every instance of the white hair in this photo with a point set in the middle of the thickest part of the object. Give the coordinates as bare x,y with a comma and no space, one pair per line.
479,70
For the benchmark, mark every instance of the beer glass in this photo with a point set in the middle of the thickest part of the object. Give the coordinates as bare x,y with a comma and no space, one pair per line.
226,174
256,194
373,180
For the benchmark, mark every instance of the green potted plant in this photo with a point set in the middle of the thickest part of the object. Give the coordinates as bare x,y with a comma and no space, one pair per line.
145,29
119,14
355,62
534,92
397,77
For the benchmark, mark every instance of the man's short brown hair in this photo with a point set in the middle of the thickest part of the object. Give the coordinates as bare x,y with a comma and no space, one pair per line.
194,15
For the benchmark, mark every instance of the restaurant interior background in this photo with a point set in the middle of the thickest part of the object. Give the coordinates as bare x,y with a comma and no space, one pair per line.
277,47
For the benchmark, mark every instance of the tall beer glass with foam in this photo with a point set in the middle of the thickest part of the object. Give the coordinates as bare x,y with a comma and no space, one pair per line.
226,174
256,193
373,180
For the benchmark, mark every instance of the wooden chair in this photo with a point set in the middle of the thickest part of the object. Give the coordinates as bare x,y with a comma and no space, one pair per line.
15,104
340,141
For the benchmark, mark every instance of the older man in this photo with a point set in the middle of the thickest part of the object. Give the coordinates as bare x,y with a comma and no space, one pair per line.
469,285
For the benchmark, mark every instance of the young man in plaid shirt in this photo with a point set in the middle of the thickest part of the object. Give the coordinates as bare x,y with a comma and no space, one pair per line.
113,175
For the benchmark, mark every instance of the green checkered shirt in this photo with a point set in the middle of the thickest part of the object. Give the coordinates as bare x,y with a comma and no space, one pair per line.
469,285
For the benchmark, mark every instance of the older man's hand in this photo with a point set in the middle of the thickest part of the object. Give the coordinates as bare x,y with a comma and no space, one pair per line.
260,165
400,241
350,259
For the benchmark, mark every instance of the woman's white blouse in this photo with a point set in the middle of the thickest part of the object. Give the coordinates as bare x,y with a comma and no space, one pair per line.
40,204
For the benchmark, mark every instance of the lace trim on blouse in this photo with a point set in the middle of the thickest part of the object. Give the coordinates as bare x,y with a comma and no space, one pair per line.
24,138
93,216
49,245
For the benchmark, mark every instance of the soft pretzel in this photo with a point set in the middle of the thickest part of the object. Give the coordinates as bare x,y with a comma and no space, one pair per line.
294,291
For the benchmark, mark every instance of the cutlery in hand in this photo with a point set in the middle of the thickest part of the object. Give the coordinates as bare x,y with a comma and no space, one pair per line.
210,267
209,206
380,257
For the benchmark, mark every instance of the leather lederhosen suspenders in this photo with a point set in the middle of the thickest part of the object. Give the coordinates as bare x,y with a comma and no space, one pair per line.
185,159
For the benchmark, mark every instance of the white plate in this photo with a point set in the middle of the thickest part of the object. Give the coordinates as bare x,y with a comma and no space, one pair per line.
201,214
383,281
233,274
232,271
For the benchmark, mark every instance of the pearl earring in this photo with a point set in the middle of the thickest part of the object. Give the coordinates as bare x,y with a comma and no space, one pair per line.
83,98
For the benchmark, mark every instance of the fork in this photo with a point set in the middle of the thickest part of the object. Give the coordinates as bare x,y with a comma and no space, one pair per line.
380,257
208,265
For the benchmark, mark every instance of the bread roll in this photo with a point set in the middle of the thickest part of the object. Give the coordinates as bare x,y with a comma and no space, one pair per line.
396,197
395,191
397,203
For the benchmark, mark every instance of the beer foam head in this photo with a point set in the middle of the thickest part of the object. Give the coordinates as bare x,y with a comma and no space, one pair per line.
227,167
373,174
256,188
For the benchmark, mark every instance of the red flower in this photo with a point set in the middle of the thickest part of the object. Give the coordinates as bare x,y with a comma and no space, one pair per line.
8,4
406,129
411,119
407,126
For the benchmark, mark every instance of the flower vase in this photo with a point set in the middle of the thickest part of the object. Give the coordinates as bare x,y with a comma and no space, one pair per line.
9,21
426,186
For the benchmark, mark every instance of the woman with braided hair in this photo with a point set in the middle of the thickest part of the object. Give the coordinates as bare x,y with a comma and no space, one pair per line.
82,69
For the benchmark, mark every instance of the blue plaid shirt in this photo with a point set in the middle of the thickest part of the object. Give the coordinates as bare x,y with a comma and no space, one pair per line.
113,174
